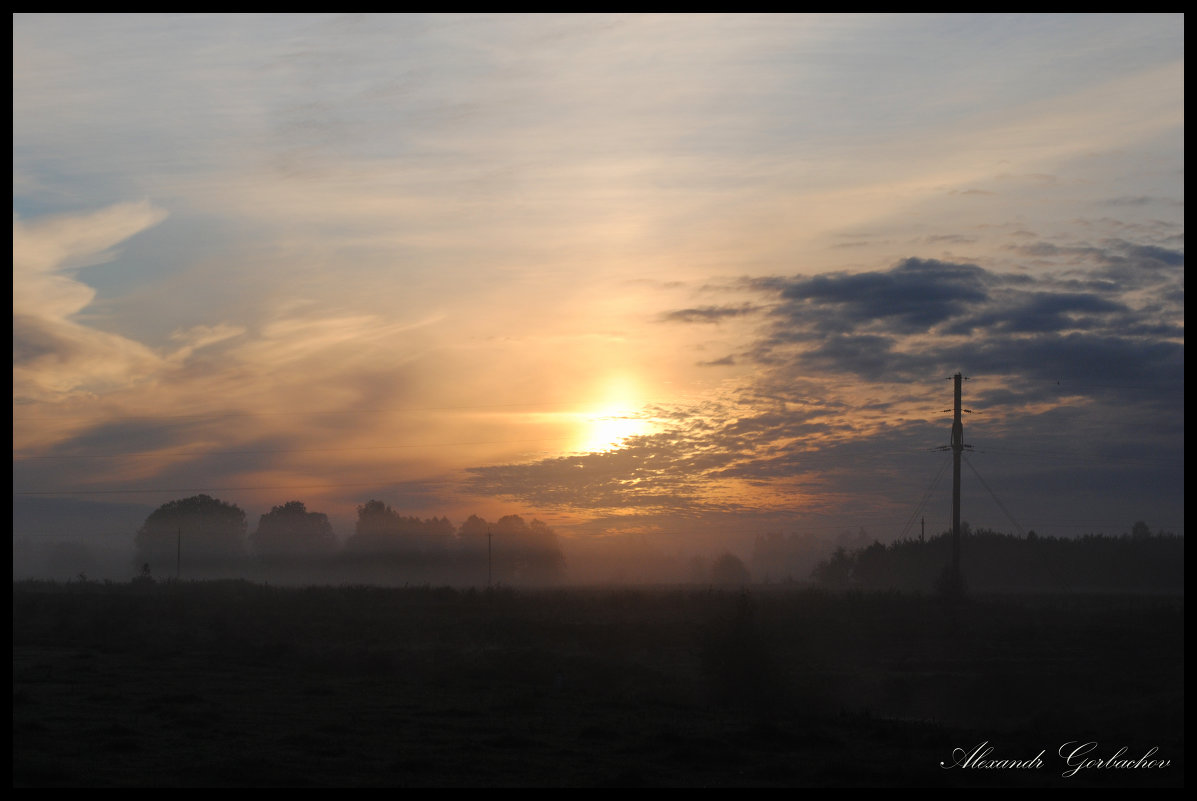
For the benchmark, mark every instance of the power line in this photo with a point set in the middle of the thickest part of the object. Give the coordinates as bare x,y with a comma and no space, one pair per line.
996,500
199,416
291,450
305,413
224,489
1085,458
926,497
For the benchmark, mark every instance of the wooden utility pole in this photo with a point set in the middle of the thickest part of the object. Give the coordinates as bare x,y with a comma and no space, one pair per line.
489,563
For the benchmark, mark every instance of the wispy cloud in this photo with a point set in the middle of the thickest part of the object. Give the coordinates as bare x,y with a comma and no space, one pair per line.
708,314
54,355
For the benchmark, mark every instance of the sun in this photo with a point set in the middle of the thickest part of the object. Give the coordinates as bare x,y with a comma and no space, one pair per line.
616,417
604,431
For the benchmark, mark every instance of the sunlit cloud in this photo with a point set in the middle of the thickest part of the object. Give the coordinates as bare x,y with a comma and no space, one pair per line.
1096,351
54,355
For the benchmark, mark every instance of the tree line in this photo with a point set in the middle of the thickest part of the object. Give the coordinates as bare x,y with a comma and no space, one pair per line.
1141,560
205,536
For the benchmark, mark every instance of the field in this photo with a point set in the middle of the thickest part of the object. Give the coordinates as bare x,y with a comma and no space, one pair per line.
239,684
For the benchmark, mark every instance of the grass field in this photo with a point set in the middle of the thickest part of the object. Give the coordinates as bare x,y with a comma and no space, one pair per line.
237,684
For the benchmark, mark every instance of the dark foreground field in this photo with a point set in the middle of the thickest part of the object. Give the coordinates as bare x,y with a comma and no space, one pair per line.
228,683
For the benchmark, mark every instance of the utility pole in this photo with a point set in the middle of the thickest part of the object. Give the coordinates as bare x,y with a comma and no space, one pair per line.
957,449
489,563
178,551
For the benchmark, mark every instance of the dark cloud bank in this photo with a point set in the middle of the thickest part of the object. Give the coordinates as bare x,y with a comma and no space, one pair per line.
1078,391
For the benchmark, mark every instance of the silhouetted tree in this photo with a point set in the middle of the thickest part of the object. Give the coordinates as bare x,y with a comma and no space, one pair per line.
873,566
836,571
524,551
211,532
1004,562
375,519
436,534
729,570
472,535
291,530
380,529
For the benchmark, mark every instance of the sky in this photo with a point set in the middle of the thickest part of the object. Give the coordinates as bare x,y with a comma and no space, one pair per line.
665,279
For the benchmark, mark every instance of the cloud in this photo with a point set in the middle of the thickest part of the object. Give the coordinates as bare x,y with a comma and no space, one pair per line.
1147,254
847,391
1113,266
914,295
33,340
702,464
200,336
305,356
1030,312
708,314
67,242
53,353
1130,200
47,252
126,436
876,324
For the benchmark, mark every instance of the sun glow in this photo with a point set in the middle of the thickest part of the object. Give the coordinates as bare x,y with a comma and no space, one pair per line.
606,430
606,425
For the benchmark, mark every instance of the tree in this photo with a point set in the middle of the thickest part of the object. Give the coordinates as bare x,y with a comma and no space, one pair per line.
836,571
729,570
377,528
380,529
374,517
291,530
472,535
526,551
874,567
207,530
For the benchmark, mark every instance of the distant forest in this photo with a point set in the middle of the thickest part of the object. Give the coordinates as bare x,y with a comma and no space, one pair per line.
203,537
1141,561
